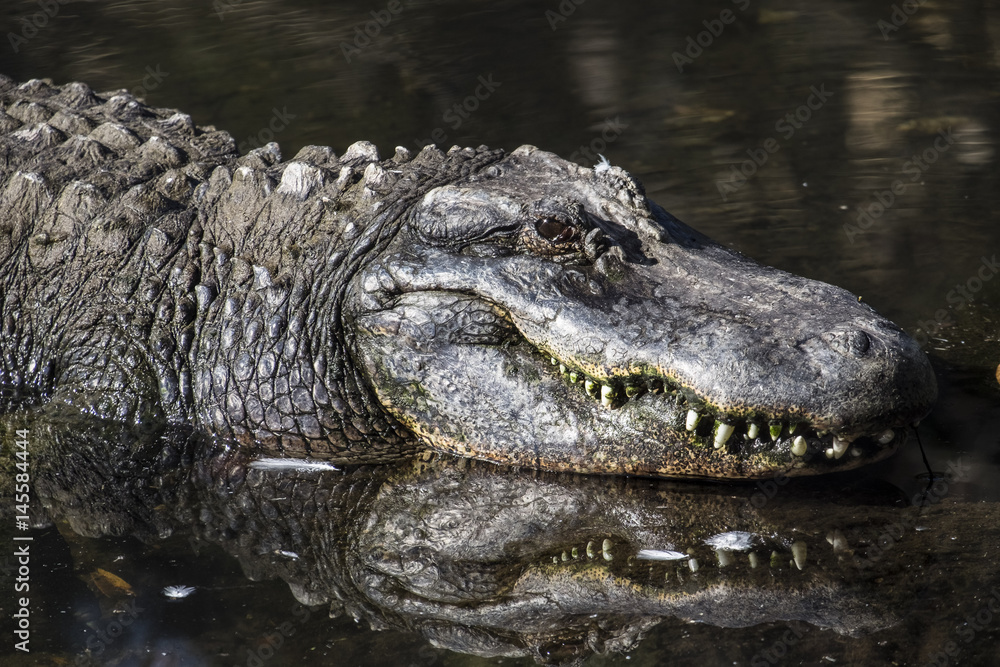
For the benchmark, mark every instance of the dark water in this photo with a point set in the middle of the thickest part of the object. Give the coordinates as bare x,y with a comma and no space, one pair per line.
867,138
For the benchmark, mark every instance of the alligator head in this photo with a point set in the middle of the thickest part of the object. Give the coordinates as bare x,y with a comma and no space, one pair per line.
546,314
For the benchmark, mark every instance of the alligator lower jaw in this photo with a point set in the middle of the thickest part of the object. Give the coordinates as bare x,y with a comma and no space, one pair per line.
733,433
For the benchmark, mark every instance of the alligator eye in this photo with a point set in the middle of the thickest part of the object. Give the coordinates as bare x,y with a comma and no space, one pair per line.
555,230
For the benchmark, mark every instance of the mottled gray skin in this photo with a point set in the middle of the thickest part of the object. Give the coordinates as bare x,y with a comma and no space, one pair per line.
358,309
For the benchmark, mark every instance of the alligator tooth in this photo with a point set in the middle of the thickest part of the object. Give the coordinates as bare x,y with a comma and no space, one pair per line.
607,395
799,446
631,390
839,447
725,557
775,430
606,550
753,559
793,428
692,420
799,554
562,368
693,564
837,540
565,556
590,549
656,386
576,552
856,452
752,431
886,437
722,433
574,377
555,362
591,387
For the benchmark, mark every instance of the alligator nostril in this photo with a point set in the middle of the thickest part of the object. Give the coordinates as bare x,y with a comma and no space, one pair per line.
855,342
858,342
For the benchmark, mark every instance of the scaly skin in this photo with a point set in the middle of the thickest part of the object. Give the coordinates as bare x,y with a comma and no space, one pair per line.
358,309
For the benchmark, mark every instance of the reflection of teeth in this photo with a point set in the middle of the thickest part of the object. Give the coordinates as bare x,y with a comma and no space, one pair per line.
753,560
886,437
799,446
799,554
692,420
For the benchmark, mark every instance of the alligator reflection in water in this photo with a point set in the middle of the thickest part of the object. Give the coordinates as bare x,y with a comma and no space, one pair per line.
497,562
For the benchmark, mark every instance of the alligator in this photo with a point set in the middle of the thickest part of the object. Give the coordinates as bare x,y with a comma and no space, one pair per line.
496,561
513,307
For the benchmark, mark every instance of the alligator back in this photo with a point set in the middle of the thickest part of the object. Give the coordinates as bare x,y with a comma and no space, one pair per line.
149,274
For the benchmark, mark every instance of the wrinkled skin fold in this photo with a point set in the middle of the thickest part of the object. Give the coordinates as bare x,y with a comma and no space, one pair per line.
512,307
498,562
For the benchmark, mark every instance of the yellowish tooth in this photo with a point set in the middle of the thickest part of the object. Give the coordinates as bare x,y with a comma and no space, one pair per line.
752,431
799,554
606,550
886,436
722,433
839,447
574,377
590,386
555,362
799,446
692,420
631,390
562,368
775,430
590,549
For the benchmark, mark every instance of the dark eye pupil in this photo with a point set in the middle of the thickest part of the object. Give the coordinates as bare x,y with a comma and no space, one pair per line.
554,230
